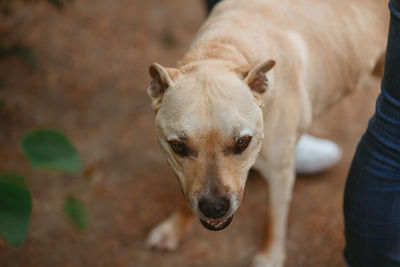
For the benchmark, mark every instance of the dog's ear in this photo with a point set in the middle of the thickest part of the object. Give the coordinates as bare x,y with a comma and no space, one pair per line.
162,78
257,79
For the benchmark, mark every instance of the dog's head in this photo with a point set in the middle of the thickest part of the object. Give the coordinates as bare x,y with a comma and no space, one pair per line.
209,124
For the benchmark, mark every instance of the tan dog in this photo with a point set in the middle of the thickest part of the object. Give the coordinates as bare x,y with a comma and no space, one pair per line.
253,79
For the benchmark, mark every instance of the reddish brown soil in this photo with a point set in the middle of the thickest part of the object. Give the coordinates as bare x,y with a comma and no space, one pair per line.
91,84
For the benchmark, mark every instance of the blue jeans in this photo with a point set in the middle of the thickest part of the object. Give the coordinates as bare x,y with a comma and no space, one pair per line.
372,194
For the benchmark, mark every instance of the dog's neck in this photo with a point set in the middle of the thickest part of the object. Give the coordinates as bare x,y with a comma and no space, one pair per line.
215,50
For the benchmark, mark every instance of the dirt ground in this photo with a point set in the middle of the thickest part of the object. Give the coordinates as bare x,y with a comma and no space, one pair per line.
91,84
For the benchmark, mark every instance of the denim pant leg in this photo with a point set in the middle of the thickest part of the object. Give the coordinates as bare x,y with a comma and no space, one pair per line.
372,194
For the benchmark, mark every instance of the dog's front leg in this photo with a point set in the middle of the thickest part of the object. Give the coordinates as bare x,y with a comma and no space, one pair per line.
168,234
280,183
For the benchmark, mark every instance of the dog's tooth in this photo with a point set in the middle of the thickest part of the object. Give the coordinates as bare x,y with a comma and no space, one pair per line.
216,223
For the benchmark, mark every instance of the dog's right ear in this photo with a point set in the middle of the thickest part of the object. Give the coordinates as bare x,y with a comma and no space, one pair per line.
257,80
162,79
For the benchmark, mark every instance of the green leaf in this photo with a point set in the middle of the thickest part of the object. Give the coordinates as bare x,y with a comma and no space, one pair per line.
15,208
77,212
51,149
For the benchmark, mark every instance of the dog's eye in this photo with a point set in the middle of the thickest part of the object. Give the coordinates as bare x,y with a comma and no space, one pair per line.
179,148
242,144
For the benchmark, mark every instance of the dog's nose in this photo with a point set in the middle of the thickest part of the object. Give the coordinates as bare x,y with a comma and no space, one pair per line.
214,208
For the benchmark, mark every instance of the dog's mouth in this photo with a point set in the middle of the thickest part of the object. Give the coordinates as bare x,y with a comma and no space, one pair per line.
216,225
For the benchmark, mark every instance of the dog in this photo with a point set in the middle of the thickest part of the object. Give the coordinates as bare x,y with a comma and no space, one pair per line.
255,76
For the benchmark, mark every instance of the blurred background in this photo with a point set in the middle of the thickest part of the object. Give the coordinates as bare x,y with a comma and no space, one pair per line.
81,67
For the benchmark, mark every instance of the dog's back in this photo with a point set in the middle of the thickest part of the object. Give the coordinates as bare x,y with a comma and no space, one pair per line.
330,45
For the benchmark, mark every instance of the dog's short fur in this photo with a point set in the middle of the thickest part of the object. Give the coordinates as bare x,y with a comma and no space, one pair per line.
259,69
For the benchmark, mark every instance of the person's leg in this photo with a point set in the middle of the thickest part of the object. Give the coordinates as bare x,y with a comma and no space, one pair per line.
372,194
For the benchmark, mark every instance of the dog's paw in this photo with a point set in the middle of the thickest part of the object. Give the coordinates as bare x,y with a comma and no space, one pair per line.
165,236
263,260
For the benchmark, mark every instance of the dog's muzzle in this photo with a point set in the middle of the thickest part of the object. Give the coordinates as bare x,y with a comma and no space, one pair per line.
215,211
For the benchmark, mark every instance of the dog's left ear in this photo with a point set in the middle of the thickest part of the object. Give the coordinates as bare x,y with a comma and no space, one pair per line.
257,80
162,79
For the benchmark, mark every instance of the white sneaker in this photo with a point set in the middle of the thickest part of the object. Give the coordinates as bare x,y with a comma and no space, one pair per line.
314,155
